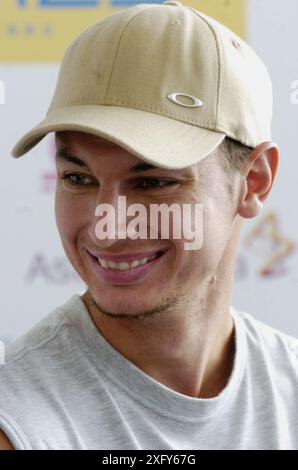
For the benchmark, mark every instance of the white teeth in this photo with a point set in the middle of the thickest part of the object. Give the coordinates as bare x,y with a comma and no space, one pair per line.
135,263
121,266
111,264
124,266
103,263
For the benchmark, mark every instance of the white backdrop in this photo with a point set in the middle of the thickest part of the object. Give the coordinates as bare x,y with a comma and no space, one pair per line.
35,274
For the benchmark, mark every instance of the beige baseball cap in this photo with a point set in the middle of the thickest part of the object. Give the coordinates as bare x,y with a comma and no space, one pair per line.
163,81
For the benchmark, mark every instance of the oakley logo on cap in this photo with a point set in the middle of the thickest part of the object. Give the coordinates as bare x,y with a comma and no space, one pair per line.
196,103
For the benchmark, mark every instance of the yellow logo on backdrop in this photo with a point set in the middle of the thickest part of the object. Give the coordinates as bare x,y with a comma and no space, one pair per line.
40,30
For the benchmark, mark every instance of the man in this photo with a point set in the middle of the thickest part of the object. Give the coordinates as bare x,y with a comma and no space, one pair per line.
153,355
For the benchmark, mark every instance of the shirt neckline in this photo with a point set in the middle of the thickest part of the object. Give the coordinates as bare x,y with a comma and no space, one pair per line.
144,388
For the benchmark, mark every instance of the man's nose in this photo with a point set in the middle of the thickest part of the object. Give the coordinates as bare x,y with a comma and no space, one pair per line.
108,220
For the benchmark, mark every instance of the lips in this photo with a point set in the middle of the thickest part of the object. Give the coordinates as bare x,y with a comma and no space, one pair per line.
128,276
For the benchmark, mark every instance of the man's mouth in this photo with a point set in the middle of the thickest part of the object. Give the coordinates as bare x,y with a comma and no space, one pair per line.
128,265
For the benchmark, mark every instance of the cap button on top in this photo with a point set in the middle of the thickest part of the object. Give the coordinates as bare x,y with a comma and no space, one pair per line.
236,43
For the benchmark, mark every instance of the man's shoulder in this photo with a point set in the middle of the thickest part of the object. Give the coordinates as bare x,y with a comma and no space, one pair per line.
37,338
276,348
273,337
38,368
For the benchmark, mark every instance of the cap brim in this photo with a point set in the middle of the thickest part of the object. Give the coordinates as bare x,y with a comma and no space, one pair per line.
156,139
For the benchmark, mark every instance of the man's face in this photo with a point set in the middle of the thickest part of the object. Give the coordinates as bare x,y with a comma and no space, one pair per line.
178,274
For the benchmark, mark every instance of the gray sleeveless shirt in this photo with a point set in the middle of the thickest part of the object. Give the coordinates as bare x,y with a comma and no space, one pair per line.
64,386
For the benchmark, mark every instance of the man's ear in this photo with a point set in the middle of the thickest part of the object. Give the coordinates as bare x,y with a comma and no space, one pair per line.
257,177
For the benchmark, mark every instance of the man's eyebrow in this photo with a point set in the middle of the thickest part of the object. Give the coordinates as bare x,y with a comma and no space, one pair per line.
64,155
143,167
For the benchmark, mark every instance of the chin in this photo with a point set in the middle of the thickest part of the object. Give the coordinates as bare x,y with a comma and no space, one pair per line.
124,302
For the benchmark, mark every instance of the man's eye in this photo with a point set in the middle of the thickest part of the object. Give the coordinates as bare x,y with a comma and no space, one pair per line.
155,183
76,179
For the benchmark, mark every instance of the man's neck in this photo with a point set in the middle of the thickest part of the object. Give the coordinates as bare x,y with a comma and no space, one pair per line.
192,354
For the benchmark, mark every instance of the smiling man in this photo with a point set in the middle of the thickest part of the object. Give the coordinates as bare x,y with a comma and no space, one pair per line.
153,355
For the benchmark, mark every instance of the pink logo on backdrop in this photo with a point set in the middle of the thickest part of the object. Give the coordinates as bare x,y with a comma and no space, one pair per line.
48,177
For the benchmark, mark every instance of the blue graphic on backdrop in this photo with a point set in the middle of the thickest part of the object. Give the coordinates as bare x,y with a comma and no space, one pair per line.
61,3
69,3
132,2
82,3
